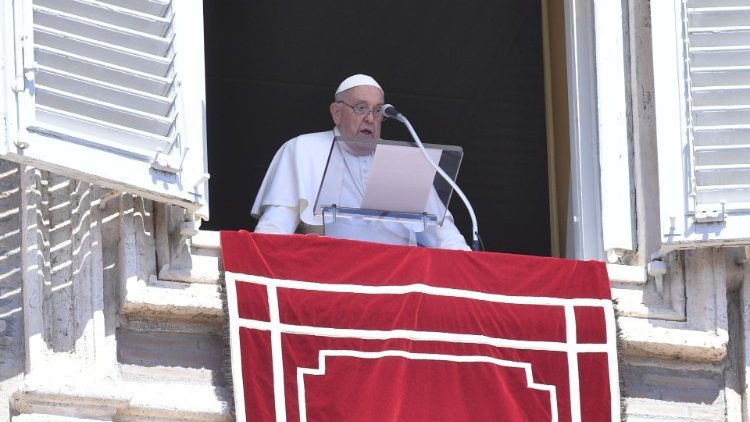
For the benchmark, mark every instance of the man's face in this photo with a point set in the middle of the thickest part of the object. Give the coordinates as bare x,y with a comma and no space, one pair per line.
354,126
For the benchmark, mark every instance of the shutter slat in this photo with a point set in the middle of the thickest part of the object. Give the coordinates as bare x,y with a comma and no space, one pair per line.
723,175
108,53
103,111
721,95
717,3
734,56
107,13
712,37
736,197
97,131
721,115
151,7
103,91
725,147
727,76
113,35
733,135
105,72
712,17
733,155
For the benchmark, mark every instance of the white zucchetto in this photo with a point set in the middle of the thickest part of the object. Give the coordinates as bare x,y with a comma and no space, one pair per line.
357,80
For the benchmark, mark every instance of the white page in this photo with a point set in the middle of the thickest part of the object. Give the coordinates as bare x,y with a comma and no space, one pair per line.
400,179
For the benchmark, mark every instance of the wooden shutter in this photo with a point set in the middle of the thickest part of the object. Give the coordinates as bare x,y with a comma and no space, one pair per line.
114,93
702,80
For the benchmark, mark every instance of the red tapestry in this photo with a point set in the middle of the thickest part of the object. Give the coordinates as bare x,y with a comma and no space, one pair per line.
335,330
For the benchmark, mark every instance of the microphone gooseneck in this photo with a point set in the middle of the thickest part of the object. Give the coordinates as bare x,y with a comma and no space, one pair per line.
391,112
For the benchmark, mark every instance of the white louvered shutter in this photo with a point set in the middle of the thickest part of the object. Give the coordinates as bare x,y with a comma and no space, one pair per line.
702,81
113,92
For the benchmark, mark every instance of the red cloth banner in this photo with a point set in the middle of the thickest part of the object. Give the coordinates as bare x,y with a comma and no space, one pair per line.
334,330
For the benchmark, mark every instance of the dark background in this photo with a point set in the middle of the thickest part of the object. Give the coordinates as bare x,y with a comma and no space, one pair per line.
464,72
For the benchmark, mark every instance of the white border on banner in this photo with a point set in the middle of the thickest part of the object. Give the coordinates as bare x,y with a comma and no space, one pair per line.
571,337
276,328
277,357
419,288
444,337
323,354
235,355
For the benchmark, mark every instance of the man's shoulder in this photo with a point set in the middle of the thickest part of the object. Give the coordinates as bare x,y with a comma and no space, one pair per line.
316,137
310,141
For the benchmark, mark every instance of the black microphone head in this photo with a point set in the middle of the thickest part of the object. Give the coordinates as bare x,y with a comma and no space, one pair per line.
390,111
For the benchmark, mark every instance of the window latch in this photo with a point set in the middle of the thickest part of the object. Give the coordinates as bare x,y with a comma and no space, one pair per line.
165,162
710,213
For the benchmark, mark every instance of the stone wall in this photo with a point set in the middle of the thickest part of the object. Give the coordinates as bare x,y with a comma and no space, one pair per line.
104,334
683,337
11,315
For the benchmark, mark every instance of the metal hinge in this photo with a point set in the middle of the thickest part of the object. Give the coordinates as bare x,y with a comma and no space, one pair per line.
710,213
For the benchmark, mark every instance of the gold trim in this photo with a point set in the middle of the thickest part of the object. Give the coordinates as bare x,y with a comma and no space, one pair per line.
556,119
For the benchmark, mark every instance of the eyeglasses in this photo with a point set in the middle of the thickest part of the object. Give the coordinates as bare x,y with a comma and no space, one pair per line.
362,110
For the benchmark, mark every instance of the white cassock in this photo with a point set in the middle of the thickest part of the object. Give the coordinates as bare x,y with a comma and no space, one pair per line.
287,196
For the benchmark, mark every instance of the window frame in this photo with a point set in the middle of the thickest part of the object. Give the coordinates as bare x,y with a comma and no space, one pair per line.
601,222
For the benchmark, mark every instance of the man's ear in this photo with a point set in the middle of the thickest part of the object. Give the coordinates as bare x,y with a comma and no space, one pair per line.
335,113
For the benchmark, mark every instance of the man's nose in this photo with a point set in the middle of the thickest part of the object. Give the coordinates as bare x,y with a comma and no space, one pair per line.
370,116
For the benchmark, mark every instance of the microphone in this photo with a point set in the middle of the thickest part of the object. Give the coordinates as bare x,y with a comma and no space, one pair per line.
390,111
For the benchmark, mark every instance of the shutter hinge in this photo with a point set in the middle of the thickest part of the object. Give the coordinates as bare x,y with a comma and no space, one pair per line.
20,143
19,84
26,67
710,213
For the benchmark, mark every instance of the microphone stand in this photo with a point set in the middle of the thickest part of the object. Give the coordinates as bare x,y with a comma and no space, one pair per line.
390,111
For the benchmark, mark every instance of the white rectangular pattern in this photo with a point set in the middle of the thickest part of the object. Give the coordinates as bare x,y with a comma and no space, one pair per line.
718,44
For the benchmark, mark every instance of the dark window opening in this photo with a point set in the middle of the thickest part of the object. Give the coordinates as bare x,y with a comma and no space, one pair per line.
468,73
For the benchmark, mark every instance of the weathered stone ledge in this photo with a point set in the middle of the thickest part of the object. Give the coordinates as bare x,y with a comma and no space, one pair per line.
172,299
103,399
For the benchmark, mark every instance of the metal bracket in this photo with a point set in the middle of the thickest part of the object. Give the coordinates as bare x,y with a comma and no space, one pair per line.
657,268
166,163
26,67
19,84
108,197
21,144
29,74
710,213
188,229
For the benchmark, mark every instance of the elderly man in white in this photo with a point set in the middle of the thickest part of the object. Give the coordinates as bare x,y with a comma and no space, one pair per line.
286,198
